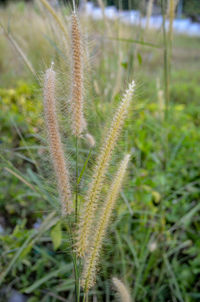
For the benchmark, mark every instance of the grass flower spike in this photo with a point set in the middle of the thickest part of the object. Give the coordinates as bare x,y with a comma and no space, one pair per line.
89,272
55,144
87,215
77,91
90,139
123,292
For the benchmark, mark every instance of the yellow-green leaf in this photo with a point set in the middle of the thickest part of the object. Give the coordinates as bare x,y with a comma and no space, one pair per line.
156,196
56,235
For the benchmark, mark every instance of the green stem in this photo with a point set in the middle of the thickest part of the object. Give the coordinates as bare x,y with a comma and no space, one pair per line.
85,297
76,200
166,62
76,272
166,81
76,268
69,228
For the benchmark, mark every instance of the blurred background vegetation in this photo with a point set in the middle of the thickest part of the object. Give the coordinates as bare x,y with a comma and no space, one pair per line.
153,243
188,7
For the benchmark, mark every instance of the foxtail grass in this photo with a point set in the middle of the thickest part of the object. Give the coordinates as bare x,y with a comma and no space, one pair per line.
102,162
77,90
93,252
55,143
90,139
88,243
122,290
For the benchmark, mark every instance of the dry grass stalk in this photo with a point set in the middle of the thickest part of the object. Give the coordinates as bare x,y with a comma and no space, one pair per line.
123,292
171,12
105,19
89,272
87,215
149,13
55,144
20,51
78,121
56,17
161,102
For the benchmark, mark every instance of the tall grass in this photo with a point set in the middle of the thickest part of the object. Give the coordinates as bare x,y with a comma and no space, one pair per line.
55,144
86,242
122,290
141,241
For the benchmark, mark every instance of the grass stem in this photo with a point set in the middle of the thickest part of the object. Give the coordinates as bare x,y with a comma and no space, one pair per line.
166,62
76,269
166,80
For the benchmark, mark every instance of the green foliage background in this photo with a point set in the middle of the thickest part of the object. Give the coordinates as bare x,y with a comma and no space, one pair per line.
153,242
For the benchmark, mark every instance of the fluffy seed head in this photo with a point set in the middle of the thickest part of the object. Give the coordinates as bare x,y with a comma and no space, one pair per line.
77,89
123,292
90,139
55,144
87,215
91,260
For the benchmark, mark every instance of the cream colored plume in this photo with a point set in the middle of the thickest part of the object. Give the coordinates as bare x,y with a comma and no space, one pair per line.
55,144
77,89
90,139
103,160
93,252
123,292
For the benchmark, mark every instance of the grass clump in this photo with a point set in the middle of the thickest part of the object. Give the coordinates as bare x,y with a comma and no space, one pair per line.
84,241
153,244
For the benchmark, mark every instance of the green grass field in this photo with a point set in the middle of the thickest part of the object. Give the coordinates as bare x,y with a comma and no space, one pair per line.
153,241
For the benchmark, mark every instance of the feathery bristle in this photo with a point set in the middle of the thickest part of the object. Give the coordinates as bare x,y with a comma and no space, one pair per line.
90,139
123,292
55,144
78,121
87,215
89,272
